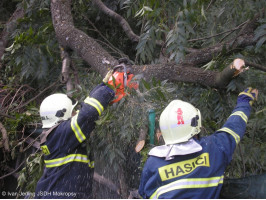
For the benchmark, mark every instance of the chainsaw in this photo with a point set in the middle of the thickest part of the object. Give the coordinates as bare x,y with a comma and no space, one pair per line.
121,79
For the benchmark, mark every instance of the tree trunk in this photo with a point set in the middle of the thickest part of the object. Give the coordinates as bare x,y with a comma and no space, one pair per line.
71,38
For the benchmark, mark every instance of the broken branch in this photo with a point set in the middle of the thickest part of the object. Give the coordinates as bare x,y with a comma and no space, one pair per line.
124,24
5,137
104,181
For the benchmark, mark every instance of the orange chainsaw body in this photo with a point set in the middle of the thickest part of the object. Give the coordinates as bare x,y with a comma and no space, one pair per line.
119,81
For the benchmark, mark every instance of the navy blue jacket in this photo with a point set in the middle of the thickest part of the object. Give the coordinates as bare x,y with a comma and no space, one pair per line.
198,175
69,169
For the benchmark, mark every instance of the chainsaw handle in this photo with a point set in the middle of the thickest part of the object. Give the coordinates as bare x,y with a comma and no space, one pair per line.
120,66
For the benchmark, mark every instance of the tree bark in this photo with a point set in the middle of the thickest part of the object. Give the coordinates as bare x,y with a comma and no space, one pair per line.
72,38
100,60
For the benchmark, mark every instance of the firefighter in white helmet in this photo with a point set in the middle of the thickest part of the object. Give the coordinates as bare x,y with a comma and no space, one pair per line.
68,165
189,167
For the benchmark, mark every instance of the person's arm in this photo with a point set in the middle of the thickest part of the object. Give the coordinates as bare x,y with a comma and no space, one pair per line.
91,109
234,128
74,131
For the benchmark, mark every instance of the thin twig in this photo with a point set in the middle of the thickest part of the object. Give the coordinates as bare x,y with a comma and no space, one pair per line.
14,97
225,36
2,177
204,38
209,5
6,97
257,66
52,85
8,116
108,183
33,141
109,43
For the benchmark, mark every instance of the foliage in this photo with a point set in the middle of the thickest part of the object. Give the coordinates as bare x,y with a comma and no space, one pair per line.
260,34
169,21
31,173
33,52
177,23
33,58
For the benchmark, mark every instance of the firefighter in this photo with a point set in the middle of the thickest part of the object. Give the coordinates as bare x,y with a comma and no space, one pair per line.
69,167
187,166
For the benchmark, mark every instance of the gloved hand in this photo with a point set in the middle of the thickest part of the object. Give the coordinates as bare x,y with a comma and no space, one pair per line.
248,95
104,83
108,75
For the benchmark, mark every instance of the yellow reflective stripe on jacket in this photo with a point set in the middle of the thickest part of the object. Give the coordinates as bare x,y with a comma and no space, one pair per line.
236,136
95,103
241,114
188,184
76,129
64,160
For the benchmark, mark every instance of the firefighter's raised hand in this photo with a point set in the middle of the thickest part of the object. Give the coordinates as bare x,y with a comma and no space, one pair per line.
108,75
248,95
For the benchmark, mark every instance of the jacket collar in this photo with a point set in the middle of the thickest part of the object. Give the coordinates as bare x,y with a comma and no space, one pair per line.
169,151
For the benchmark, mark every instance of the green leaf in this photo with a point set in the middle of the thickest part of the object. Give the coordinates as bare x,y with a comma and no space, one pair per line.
203,13
161,94
139,13
10,48
146,84
147,8
260,43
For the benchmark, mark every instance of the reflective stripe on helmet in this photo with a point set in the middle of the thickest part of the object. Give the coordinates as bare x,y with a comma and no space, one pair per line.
95,103
190,183
175,125
70,158
76,129
227,130
241,114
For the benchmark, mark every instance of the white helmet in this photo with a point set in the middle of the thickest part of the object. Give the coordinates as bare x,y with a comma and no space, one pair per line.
55,108
179,122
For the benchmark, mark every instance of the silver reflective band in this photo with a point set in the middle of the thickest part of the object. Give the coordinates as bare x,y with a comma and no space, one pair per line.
175,125
95,103
64,160
188,184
